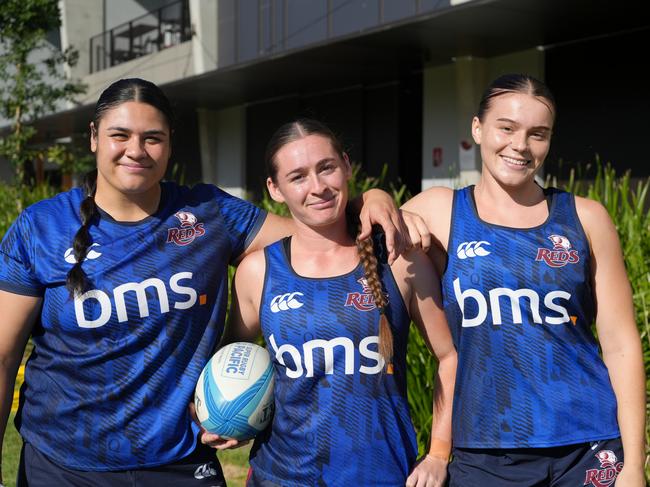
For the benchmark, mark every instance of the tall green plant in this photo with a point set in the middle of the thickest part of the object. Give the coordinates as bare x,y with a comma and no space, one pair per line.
628,204
31,79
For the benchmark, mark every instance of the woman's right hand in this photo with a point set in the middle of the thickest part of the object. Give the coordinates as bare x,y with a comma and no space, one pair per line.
219,443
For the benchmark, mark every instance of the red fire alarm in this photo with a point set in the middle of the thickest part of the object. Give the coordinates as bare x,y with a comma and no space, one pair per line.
437,156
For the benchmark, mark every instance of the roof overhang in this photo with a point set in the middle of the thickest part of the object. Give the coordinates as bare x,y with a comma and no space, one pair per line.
478,28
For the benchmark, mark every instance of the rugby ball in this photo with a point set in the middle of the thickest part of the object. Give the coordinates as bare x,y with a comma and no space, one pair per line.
234,394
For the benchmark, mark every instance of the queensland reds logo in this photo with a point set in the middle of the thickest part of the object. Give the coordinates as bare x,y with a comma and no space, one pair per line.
363,301
189,230
560,255
606,475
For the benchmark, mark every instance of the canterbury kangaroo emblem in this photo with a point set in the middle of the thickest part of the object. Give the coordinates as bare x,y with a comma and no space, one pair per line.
472,249
285,302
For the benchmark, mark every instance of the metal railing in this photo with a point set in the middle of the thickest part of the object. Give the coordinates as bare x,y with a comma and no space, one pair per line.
151,32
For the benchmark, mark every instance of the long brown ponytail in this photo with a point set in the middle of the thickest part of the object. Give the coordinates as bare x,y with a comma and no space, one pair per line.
369,261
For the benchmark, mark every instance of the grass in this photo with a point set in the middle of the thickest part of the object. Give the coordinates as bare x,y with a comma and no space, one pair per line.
10,453
235,465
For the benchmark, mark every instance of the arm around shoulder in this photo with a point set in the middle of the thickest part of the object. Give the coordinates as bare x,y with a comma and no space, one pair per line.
434,206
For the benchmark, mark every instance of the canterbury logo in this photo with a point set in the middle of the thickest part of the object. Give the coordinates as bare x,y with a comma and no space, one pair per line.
204,471
472,249
284,302
92,254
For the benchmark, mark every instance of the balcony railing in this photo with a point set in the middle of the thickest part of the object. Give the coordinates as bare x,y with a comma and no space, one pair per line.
151,32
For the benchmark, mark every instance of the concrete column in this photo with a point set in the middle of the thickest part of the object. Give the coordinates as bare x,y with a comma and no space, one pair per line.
451,94
205,24
439,127
80,20
223,148
471,80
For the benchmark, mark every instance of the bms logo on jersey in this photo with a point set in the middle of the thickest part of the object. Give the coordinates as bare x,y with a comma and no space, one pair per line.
560,255
556,313
99,306
285,302
300,361
189,230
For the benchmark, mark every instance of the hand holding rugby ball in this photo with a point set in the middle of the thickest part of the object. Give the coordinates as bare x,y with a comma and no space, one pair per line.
234,394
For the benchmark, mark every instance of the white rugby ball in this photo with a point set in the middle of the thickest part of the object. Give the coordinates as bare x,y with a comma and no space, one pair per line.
234,394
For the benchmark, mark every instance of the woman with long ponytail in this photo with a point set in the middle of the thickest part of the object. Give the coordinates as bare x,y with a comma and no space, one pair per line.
339,349
122,285
528,271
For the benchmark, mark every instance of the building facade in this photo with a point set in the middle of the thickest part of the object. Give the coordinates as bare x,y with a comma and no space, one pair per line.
400,80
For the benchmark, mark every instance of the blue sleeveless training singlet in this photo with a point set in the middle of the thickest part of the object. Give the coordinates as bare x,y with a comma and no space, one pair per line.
341,415
520,306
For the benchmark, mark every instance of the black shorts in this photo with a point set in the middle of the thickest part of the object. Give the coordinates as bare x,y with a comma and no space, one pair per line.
586,464
200,468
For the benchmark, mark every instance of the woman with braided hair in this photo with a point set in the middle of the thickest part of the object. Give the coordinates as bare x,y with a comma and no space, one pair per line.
336,322
122,286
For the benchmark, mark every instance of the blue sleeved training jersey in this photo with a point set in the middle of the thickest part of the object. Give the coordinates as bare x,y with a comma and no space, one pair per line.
112,372
341,415
520,306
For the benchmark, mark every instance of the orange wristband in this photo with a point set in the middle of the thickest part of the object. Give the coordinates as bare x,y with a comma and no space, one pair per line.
440,449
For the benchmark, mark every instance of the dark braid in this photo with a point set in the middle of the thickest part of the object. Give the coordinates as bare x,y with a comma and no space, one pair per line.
121,91
369,260
77,281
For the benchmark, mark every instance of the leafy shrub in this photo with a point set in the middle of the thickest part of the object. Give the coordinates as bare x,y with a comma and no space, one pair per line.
14,199
627,204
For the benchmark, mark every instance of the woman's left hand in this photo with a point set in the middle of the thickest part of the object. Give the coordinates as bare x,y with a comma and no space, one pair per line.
428,472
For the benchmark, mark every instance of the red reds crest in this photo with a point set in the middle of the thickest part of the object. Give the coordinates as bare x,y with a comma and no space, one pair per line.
363,301
560,255
606,475
188,231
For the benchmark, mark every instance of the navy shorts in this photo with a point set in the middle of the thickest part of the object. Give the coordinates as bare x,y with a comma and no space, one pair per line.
200,468
586,464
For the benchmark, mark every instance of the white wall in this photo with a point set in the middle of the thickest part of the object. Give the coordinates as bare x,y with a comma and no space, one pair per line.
223,148
80,20
161,67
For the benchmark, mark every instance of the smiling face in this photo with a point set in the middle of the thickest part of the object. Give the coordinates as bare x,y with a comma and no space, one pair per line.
132,147
515,137
311,179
